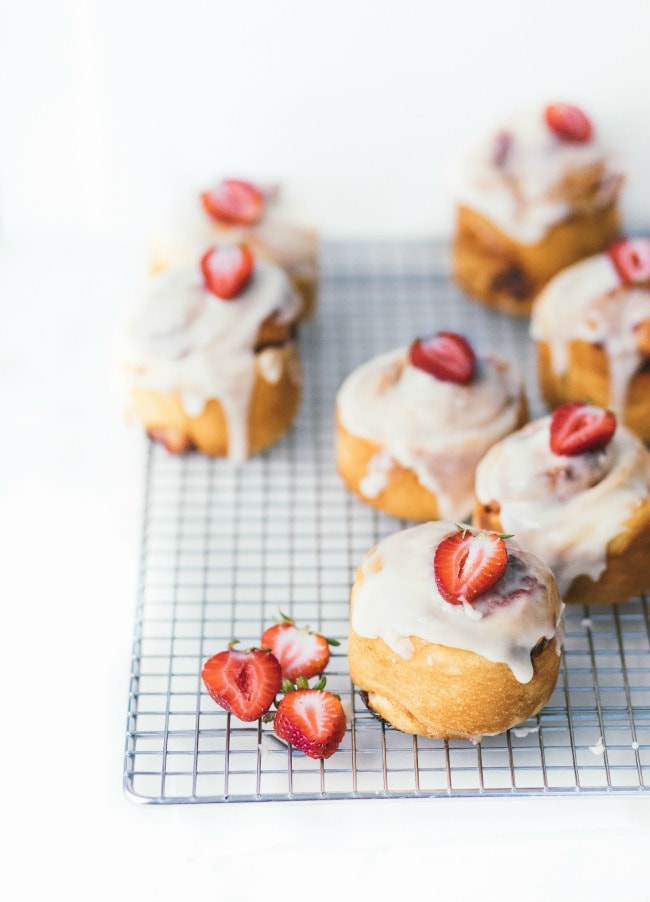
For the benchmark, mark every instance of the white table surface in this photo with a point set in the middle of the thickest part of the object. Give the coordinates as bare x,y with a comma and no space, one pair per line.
70,482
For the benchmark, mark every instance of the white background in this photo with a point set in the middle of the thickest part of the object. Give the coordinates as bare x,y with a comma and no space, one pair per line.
109,113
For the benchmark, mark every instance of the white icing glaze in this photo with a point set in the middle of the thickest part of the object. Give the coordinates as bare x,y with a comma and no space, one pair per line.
564,509
181,338
587,302
189,231
400,601
438,429
523,196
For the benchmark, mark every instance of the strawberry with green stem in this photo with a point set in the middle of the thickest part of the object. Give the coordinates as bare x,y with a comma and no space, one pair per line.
300,651
310,719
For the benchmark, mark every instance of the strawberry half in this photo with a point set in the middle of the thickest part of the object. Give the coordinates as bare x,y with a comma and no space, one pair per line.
243,682
311,720
226,269
468,563
631,259
568,122
577,427
301,653
234,202
445,355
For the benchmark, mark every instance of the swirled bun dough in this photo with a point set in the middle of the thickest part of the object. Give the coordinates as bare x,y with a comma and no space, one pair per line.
220,376
591,327
233,211
452,670
534,196
587,515
407,441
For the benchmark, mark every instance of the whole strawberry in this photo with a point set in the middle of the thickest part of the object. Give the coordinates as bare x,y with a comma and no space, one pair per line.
243,682
301,653
311,720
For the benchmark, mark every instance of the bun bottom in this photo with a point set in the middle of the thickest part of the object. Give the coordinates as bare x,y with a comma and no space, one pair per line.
403,497
626,573
449,693
493,268
587,379
272,409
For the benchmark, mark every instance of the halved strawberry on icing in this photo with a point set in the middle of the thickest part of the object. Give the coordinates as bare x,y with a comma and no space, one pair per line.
631,259
226,269
468,563
235,202
569,122
445,355
578,427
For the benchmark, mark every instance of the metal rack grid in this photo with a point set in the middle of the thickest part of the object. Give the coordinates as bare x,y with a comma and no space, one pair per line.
224,549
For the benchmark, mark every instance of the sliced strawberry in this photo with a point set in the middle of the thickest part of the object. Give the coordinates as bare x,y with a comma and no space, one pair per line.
631,259
468,563
226,269
445,355
235,202
311,720
577,427
301,653
243,682
569,122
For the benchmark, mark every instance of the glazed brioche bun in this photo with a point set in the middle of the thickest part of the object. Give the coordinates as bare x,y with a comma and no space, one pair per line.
583,509
436,688
408,441
505,275
208,355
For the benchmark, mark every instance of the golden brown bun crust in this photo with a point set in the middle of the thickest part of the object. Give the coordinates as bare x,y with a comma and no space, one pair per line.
449,693
272,410
493,268
404,496
587,379
307,288
627,568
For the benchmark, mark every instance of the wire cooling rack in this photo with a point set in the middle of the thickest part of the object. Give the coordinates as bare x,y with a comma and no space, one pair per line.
225,549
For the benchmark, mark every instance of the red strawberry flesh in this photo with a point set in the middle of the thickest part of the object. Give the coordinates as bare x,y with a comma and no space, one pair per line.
446,355
631,259
299,652
234,202
467,564
577,428
227,269
568,122
312,721
243,682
